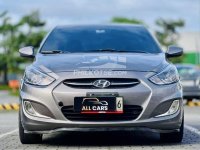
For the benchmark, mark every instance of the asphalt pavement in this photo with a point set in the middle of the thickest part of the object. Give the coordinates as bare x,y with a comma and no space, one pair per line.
136,140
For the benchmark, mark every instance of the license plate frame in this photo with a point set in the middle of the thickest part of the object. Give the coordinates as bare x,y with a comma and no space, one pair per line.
98,105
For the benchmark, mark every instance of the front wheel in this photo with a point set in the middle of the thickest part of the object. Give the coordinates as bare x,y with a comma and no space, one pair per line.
27,138
175,137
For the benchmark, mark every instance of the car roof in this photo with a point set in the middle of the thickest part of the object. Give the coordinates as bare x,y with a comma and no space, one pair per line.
105,26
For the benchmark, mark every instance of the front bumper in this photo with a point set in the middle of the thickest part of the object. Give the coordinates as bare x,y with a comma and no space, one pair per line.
40,125
146,94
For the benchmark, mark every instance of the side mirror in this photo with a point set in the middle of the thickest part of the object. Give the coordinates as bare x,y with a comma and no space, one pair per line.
27,52
174,51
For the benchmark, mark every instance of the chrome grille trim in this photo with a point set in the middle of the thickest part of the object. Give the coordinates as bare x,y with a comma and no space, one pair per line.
87,83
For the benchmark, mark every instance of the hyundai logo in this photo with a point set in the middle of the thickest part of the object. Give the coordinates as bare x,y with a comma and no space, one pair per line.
101,83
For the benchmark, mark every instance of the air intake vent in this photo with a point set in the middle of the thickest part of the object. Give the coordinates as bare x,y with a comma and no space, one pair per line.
88,83
131,112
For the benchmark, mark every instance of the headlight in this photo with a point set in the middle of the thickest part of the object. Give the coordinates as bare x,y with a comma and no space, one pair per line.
167,76
35,77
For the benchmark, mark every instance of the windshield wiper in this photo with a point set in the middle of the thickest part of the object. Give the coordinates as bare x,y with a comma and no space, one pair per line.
95,50
115,50
54,52
139,51
103,50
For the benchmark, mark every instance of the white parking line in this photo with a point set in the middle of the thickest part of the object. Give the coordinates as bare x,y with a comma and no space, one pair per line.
8,133
192,129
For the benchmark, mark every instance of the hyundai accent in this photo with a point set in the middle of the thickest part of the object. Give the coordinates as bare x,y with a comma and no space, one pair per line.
100,78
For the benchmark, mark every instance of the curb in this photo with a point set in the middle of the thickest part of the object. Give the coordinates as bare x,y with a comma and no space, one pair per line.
192,104
12,106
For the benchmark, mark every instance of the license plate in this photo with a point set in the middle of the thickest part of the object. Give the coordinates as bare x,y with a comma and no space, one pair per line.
96,105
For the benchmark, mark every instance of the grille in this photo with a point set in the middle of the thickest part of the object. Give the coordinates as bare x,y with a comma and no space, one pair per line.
87,83
131,112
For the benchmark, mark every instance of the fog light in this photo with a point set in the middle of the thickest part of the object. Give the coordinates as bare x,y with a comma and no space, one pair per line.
31,111
29,108
172,110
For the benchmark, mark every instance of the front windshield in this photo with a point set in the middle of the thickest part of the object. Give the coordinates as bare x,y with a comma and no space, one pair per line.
133,39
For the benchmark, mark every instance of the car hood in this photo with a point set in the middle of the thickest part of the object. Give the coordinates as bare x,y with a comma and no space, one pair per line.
101,61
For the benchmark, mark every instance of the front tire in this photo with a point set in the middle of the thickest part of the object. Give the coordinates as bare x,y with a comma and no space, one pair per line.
27,138
174,137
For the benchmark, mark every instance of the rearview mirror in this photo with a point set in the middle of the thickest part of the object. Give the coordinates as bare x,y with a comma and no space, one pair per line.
174,51
27,52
